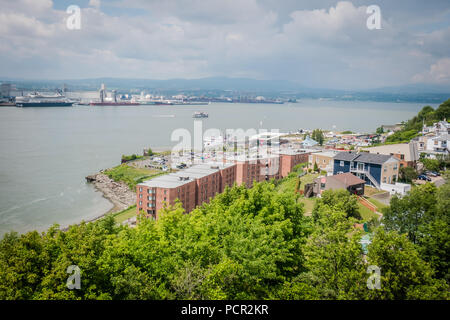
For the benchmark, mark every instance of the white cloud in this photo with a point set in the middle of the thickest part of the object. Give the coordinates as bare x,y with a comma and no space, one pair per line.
329,46
94,3
438,72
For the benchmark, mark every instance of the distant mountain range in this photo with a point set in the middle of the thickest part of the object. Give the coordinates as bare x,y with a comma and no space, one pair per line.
214,83
414,88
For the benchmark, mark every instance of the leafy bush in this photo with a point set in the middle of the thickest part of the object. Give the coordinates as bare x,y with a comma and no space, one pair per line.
407,174
299,167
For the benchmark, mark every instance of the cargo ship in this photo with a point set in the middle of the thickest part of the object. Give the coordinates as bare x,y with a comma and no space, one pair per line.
7,103
37,99
114,103
190,103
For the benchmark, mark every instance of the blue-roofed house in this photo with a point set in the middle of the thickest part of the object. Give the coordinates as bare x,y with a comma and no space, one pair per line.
308,142
375,169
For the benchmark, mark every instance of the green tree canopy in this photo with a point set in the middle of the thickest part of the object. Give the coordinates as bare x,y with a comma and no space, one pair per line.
337,200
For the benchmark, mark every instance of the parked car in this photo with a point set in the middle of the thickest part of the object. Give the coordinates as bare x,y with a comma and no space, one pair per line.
423,177
436,174
430,174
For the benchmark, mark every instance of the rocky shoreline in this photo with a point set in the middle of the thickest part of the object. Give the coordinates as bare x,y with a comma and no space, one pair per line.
117,193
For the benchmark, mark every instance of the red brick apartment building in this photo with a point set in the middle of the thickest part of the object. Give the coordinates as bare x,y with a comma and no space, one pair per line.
191,186
290,158
257,169
199,183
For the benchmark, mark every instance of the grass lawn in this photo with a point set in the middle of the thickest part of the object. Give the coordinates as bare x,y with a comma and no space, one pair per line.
370,191
308,178
377,203
288,183
366,214
131,175
121,216
308,204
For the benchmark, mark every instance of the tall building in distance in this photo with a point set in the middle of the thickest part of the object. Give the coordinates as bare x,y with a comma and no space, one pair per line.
5,90
102,93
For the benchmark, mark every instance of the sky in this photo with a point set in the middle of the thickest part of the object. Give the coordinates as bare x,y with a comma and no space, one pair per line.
315,43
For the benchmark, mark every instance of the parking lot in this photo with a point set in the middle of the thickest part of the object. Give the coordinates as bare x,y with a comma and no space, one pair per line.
438,181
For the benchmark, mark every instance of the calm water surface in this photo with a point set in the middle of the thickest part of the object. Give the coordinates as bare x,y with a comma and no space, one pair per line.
46,152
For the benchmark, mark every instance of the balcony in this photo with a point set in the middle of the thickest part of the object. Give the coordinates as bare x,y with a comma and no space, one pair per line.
361,170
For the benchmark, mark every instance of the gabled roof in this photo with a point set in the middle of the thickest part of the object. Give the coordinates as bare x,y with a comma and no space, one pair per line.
346,156
347,178
362,157
310,142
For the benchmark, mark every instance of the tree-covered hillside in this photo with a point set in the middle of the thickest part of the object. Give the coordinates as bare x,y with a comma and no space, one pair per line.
246,244
426,116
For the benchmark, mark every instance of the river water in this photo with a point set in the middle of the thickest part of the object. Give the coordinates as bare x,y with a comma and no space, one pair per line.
45,153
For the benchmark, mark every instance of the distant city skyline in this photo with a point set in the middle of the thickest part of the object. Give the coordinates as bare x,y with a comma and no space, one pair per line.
315,44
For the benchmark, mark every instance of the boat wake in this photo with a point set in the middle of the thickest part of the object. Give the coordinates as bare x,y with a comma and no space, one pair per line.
25,205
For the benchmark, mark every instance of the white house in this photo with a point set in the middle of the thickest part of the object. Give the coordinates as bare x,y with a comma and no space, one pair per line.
438,128
438,145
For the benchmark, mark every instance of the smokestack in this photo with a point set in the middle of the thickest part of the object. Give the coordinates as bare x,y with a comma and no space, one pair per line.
102,93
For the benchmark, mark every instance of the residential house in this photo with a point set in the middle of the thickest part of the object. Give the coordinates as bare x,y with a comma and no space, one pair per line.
324,161
439,144
406,153
309,142
438,128
347,181
372,168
